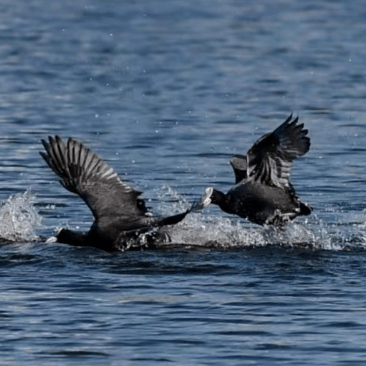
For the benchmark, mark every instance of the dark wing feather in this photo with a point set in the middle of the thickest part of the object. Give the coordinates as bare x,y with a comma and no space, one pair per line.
84,173
270,158
239,164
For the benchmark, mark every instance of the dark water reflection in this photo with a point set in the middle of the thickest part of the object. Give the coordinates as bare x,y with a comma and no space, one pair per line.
262,306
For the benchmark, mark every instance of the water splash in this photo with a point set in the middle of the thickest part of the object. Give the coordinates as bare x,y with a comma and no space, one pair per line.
205,229
171,202
19,218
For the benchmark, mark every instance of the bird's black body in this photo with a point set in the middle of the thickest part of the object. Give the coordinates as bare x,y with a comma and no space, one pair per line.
121,219
263,193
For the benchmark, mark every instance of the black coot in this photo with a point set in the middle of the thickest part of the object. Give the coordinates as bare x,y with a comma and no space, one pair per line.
262,192
121,220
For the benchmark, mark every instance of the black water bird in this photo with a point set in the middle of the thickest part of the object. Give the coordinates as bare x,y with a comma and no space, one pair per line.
121,219
262,192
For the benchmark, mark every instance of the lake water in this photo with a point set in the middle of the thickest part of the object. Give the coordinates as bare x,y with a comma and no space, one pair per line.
167,92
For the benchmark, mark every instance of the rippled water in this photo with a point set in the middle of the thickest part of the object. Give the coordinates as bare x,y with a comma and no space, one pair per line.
167,92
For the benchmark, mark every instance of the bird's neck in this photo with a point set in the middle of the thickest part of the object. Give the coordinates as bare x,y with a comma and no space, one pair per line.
66,236
220,199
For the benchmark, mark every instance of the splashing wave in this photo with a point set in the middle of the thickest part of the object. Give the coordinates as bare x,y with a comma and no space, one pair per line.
220,231
19,218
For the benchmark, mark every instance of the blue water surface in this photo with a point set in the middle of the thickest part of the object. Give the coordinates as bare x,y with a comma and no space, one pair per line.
166,92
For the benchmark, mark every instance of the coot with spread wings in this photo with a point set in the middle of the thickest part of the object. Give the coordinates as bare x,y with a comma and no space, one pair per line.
121,219
262,192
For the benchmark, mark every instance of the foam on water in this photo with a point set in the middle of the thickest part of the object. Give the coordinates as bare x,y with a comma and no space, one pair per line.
19,218
218,230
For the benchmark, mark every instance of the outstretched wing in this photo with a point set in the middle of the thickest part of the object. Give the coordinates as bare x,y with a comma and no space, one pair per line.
239,164
84,173
269,160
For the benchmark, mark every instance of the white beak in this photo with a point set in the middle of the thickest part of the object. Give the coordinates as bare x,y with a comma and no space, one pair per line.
51,239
